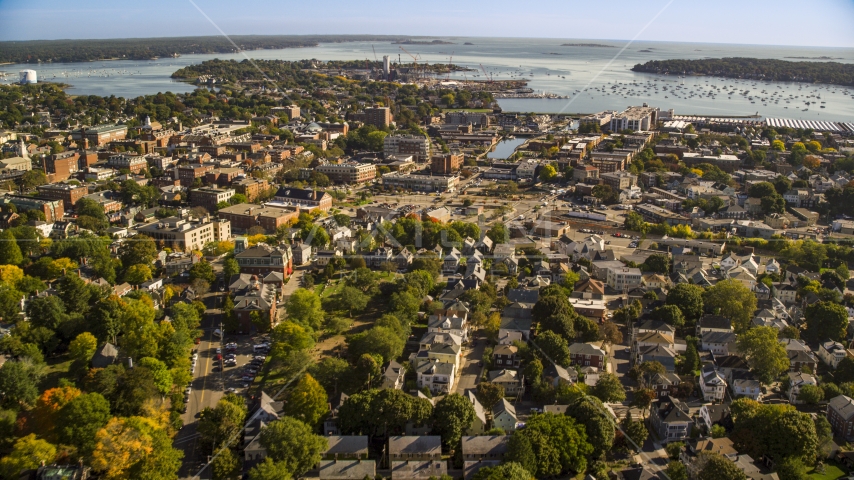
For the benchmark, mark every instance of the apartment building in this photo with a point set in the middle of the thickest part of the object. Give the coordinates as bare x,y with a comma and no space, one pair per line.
185,234
421,183
210,197
840,414
415,145
53,209
624,278
252,188
585,174
619,180
446,163
68,193
379,117
635,119
62,165
467,118
187,174
133,163
348,173
244,216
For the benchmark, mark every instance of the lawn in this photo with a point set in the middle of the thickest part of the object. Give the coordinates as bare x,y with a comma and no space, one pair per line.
57,368
832,471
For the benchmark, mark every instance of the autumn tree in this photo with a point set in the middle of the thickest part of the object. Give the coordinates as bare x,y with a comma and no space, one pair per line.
28,453
135,447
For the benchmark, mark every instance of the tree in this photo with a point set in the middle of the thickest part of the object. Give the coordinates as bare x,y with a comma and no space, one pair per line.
332,373
634,431
29,452
825,320
304,307
80,420
657,263
203,270
590,412
669,314
520,450
762,429
137,274
674,450
10,303
689,299
307,401
534,371
643,398
764,353
490,393
135,447
610,333
733,300
676,470
548,173
505,471
83,347
48,312
559,444
691,362
160,374
226,465
609,389
811,394
18,384
351,298
220,426
554,347
289,337
452,416
716,467
10,253
138,250
270,470
382,341
230,268
718,431
292,443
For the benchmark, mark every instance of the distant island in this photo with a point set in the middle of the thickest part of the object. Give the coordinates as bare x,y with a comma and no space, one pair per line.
815,58
597,45
468,43
420,42
755,69
46,51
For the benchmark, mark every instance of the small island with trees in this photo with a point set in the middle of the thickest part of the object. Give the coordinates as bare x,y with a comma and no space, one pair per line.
596,45
756,69
422,42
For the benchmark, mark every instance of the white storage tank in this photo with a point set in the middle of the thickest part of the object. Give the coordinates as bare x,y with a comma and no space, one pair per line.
28,76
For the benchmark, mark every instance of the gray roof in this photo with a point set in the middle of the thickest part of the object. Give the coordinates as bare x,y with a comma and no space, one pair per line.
503,406
494,445
417,444
347,445
419,469
715,321
347,469
718,337
842,405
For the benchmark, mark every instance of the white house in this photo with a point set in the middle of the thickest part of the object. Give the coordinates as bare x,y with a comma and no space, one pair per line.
713,384
437,376
504,416
831,353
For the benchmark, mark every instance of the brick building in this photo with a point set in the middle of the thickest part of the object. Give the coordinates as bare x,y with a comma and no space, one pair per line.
53,209
252,188
446,163
244,216
62,165
188,174
349,173
209,197
69,194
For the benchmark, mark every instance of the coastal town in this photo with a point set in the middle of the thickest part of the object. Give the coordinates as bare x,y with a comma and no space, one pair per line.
348,272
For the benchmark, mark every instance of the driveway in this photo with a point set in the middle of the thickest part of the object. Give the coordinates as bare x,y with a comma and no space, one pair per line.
470,367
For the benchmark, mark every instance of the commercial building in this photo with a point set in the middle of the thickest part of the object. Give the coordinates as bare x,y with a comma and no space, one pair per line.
609,161
209,197
619,180
467,118
446,163
69,194
62,165
244,216
133,163
585,174
348,173
635,119
601,119
421,183
654,214
16,164
252,188
185,234
304,198
727,163
415,145
263,259
53,209
101,134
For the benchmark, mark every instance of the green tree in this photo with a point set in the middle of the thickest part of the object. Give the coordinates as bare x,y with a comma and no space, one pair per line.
554,347
609,389
270,470
160,373
764,353
825,320
674,450
10,253
811,394
718,431
520,450
307,401
29,452
635,431
138,250
222,424
230,268
505,471
18,384
657,263
762,429
559,444
136,274
80,419
669,314
351,298
332,373
689,299
716,467
452,416
288,337
733,300
590,412
676,470
304,307
204,271
292,443
83,347
382,341
691,362
226,465
548,173
489,393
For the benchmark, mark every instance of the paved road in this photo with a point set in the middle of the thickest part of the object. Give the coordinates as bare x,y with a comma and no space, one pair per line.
471,366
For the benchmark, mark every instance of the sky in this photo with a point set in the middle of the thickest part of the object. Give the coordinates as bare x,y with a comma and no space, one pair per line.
823,23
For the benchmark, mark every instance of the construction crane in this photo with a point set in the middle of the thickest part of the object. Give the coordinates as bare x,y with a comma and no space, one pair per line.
375,53
488,76
414,59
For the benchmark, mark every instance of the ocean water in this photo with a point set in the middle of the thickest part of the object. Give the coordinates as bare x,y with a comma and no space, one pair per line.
585,75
